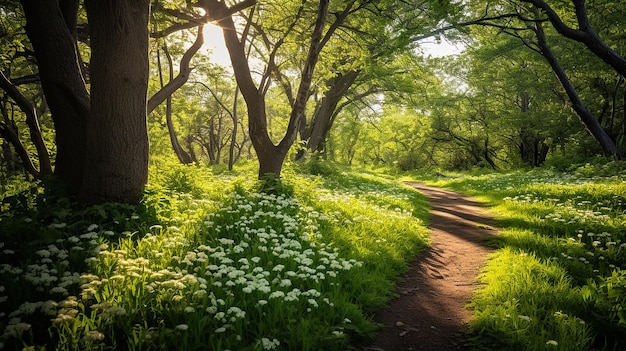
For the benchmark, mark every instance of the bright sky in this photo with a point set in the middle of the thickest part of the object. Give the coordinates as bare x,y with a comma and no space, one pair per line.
214,42
444,48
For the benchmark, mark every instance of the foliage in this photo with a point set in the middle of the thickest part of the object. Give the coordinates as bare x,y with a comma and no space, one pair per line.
220,267
558,280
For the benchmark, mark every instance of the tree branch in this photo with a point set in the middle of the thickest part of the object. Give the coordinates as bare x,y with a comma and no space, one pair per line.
45,167
183,73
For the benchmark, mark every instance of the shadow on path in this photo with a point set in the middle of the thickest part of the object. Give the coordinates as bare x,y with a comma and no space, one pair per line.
430,312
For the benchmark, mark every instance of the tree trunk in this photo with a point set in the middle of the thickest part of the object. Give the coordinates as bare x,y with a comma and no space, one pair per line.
257,117
62,82
322,119
181,154
117,152
271,157
624,122
592,125
271,160
45,167
233,139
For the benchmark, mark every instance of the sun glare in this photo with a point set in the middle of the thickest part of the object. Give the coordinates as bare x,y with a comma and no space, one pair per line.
214,45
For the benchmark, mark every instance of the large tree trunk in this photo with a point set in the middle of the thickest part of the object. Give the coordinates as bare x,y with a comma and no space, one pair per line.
117,153
50,28
586,117
270,156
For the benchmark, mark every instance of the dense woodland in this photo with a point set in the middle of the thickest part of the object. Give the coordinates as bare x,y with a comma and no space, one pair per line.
132,149
90,90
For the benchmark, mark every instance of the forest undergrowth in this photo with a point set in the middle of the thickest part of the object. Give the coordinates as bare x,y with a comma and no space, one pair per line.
206,262
558,279
209,261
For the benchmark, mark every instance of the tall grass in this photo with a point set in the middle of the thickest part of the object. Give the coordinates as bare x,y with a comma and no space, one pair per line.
558,281
206,262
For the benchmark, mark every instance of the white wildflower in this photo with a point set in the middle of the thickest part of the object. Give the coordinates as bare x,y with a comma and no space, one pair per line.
93,335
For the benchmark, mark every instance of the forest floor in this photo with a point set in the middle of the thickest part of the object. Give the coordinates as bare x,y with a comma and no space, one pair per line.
430,312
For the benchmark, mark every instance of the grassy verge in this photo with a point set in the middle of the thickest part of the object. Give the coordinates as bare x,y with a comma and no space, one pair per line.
205,262
558,281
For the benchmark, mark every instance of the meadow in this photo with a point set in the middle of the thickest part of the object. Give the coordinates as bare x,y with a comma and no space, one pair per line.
206,262
214,261
558,278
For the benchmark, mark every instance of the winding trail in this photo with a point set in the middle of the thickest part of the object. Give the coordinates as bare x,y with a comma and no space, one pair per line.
430,312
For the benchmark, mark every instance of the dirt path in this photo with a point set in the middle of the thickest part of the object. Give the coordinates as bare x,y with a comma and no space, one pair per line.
430,312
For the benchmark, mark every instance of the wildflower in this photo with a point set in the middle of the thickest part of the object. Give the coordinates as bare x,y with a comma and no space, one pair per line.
113,311
552,343
189,309
237,312
61,318
89,236
58,290
43,253
526,318
276,294
16,329
270,344
182,327
49,307
93,335
71,301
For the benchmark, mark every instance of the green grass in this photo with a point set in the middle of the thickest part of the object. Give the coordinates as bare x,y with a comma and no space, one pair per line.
206,262
558,279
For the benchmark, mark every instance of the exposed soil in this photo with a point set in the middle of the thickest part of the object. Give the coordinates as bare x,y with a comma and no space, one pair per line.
430,312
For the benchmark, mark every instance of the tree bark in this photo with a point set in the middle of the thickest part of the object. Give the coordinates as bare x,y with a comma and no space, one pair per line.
62,82
181,154
117,154
322,118
257,125
8,131
45,167
233,137
299,107
586,117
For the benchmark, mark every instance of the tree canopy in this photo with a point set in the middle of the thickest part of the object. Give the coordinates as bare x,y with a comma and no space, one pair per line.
85,90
